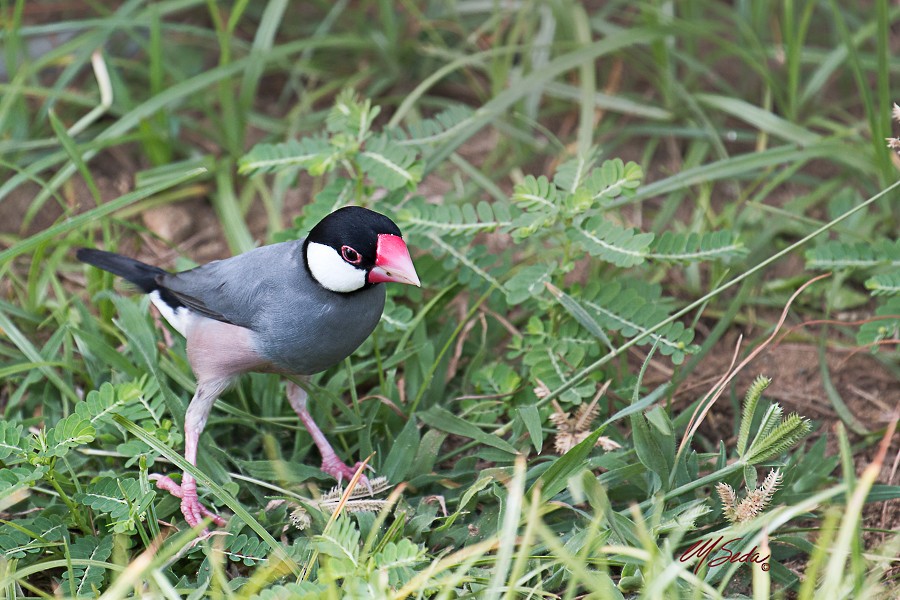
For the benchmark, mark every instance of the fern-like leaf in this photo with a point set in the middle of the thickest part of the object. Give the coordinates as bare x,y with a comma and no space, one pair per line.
476,261
419,216
71,431
29,536
389,164
623,247
11,440
536,194
396,317
885,284
15,479
314,154
398,560
130,399
87,579
571,174
247,549
340,541
539,199
840,255
305,590
632,310
612,179
885,327
431,131
351,116
528,282
693,247
121,499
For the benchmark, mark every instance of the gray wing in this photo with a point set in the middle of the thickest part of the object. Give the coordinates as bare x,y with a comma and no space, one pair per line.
234,290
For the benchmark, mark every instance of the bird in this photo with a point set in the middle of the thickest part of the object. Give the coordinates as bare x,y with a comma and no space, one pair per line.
295,308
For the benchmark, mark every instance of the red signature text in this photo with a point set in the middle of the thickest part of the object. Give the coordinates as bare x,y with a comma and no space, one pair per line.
703,549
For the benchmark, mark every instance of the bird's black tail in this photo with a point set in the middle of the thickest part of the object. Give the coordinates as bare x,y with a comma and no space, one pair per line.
138,273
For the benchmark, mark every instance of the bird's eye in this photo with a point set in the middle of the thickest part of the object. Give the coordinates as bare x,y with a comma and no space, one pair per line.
350,255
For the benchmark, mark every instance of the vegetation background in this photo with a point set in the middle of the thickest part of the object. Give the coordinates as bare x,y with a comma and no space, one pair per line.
617,210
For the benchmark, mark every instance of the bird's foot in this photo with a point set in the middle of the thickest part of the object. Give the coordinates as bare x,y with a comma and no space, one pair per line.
340,471
194,512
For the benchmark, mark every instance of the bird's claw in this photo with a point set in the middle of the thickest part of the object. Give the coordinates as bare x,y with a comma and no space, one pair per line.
337,469
194,512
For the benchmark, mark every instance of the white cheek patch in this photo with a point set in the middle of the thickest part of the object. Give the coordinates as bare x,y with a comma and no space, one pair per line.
332,271
179,318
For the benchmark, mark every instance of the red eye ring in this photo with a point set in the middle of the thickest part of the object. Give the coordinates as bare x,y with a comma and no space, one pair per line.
350,255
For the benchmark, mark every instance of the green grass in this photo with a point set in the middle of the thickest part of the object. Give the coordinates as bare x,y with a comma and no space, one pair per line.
751,159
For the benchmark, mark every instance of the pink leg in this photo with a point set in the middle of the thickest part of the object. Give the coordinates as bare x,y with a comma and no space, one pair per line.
194,422
331,464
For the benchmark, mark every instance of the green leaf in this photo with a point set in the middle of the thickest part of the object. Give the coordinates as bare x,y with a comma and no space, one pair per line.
87,578
72,431
311,153
536,194
30,536
540,200
611,180
14,479
840,255
134,322
10,439
556,477
399,460
100,405
885,284
528,282
574,308
694,247
886,325
439,127
426,455
120,498
228,209
651,447
305,590
445,219
532,420
389,164
632,308
760,118
571,174
350,115
398,560
340,540
441,418
246,549
621,246
21,341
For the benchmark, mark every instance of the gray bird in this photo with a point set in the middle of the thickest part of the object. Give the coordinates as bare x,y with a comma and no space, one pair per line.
295,308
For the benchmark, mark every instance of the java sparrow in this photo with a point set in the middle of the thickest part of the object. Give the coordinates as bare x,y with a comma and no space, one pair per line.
295,308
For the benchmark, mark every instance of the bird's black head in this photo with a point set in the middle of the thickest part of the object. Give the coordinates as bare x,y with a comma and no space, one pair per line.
355,247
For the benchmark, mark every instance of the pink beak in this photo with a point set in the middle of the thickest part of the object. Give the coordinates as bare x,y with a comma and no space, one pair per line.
392,262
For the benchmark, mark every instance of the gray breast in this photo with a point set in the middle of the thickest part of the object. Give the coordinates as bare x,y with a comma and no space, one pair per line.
305,328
